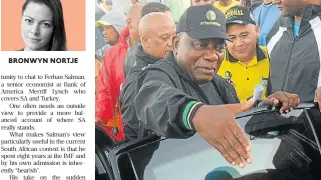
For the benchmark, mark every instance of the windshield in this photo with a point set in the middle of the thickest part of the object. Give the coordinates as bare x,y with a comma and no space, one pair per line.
283,146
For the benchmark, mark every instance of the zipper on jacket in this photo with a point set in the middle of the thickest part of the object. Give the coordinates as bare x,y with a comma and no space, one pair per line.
300,35
288,65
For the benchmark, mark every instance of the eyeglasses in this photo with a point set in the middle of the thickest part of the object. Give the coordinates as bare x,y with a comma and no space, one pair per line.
218,45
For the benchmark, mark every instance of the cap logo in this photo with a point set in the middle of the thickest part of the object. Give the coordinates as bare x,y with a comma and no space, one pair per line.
234,12
210,15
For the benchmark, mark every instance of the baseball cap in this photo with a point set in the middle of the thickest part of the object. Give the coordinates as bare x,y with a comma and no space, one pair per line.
103,21
113,17
203,22
239,15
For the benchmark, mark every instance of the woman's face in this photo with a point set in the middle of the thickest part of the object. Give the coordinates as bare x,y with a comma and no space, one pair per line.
37,27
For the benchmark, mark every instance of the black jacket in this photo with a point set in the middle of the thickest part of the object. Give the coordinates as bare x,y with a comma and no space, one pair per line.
128,91
130,58
295,62
164,90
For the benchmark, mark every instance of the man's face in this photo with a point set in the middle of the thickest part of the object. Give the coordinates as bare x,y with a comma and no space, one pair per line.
290,7
201,2
244,41
201,59
110,35
133,22
159,40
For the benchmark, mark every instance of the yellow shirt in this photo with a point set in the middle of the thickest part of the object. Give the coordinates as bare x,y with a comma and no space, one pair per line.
244,77
225,8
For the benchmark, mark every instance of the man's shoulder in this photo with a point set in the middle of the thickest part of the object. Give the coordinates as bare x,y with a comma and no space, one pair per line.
162,69
257,10
223,83
218,78
114,52
281,25
161,65
129,81
275,9
264,49
114,47
283,22
130,58
225,87
132,49
263,55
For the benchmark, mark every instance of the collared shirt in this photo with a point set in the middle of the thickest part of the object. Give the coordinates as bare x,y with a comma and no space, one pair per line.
225,8
244,77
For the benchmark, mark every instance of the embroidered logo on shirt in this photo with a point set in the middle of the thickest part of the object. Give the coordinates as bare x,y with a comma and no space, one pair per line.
228,77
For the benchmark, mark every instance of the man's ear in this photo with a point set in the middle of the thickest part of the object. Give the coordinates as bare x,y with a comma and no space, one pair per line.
128,23
257,30
175,42
145,42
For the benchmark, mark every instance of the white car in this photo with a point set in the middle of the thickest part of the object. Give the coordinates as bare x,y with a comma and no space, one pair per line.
285,146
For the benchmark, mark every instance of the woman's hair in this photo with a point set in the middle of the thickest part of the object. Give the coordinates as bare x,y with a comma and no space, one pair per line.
58,41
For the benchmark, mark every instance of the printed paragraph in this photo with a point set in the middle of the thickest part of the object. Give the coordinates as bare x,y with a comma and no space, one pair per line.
33,108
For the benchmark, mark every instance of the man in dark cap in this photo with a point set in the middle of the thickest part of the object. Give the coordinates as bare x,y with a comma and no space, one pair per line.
181,94
246,64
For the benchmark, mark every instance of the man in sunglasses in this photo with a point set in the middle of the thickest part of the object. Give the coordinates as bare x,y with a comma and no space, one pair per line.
181,94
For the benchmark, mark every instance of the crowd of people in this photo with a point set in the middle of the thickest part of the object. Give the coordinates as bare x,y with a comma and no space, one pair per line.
174,68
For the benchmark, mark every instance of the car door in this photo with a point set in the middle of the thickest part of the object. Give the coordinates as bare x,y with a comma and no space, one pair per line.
284,150
103,146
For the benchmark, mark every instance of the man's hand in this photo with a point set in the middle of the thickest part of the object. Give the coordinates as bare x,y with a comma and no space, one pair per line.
288,100
218,126
317,97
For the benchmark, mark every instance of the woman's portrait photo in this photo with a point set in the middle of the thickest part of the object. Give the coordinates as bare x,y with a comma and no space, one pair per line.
44,25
